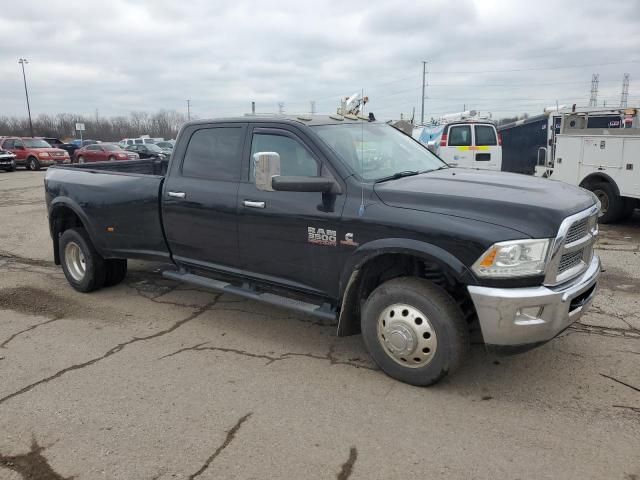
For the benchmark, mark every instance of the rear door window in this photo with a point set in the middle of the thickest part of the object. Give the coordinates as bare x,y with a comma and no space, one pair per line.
460,136
8,144
214,153
485,135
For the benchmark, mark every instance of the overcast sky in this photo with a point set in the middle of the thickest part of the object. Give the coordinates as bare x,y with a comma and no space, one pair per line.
505,57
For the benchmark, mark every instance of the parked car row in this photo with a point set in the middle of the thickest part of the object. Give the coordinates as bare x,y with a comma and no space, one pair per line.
34,153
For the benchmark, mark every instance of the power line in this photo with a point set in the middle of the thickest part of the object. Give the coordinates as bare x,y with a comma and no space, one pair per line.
556,67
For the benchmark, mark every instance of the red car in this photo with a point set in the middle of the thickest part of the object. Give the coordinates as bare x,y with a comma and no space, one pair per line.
34,153
102,152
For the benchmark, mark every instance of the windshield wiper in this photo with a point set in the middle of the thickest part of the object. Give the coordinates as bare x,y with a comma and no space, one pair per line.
442,167
395,176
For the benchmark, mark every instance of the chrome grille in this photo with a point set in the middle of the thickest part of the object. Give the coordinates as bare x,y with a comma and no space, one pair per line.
578,230
572,250
570,260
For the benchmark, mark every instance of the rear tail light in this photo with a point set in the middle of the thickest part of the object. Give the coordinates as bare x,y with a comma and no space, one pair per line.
499,139
443,140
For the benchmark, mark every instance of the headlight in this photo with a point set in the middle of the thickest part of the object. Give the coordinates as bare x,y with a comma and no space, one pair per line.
44,155
515,258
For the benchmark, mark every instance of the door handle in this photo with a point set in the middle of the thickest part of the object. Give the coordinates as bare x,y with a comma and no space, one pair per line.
252,204
177,194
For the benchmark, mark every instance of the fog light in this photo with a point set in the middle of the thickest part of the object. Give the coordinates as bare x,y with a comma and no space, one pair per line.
529,315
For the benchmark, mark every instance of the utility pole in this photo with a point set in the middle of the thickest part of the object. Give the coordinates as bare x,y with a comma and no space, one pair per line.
312,107
281,108
97,116
593,99
253,108
625,90
22,61
188,110
424,83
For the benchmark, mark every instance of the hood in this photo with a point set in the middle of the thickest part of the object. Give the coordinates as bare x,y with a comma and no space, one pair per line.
534,206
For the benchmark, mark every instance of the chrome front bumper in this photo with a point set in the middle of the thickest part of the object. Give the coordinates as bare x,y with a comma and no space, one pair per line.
522,316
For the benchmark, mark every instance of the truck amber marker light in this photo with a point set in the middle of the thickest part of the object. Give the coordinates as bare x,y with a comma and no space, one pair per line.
110,229
489,258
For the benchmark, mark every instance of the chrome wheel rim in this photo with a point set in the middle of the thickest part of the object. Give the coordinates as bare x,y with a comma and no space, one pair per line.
80,159
75,261
407,335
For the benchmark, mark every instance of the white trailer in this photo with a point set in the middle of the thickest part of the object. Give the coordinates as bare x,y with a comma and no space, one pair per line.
603,160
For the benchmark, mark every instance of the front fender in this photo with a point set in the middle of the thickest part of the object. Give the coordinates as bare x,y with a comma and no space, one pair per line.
348,320
427,251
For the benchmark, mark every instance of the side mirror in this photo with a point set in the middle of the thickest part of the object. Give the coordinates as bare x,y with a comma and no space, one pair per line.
431,146
267,166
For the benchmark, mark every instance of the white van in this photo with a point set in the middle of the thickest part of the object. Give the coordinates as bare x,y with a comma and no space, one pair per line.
466,143
125,142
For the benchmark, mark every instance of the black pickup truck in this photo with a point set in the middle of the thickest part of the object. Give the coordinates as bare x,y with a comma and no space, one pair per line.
345,219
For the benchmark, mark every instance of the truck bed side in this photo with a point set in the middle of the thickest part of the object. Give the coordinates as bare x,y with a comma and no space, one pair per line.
119,209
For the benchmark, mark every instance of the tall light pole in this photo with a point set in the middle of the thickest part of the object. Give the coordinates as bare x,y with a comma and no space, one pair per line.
424,83
188,110
22,61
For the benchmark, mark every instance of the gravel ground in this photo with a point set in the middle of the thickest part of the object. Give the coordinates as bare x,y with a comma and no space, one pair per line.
156,380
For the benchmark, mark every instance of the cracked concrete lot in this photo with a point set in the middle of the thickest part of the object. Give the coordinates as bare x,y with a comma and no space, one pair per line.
156,380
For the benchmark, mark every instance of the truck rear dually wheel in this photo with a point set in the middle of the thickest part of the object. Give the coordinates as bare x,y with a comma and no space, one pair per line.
414,330
82,265
116,270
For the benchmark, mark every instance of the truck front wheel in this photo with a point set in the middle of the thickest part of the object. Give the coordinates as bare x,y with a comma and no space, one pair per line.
82,265
612,205
414,330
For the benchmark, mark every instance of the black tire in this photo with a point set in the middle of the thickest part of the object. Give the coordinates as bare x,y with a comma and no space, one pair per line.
116,270
33,163
94,265
612,204
443,315
628,209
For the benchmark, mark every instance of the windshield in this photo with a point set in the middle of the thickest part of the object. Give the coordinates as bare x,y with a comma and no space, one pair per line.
375,150
109,147
153,148
35,143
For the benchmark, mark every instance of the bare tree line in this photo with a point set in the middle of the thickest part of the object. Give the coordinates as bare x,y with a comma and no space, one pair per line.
163,124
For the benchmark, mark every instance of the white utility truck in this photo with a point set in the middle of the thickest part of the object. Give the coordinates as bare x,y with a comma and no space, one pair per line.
603,160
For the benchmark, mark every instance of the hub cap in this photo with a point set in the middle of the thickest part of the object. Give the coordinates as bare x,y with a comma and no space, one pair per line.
74,260
407,335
